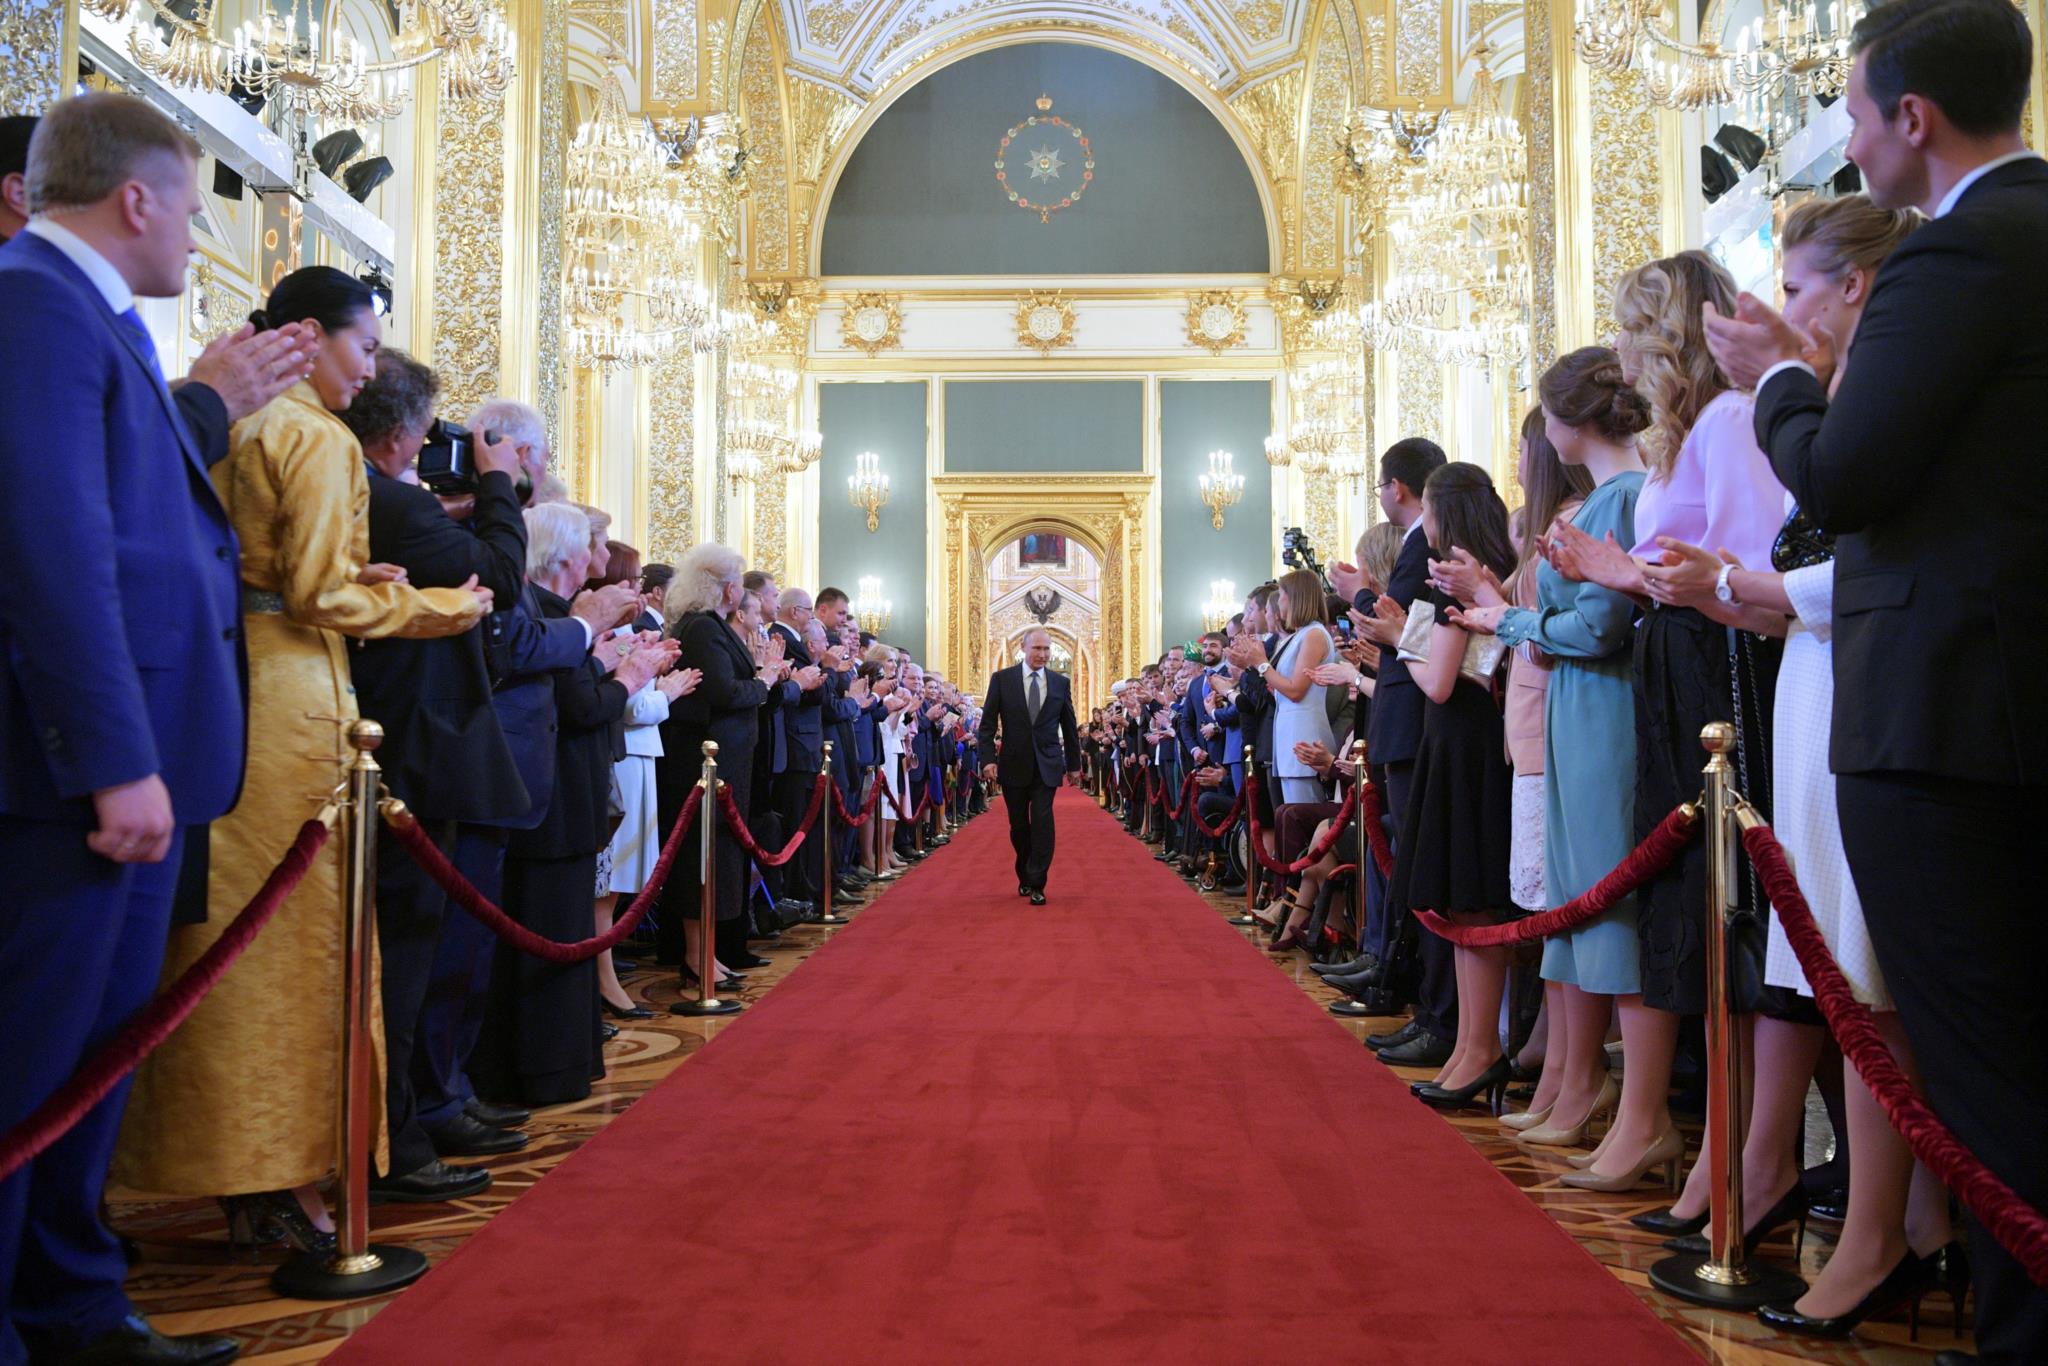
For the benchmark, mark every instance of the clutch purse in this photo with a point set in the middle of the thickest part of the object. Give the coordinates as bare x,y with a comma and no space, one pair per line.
1483,653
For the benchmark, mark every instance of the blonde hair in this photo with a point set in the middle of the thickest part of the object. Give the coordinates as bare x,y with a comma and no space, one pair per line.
1660,309
89,146
700,580
555,534
1378,548
1301,599
1849,233
600,523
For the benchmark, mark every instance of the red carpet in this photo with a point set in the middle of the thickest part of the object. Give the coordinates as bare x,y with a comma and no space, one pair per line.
969,1130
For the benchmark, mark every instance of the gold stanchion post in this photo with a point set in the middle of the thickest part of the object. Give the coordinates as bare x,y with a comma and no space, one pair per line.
707,1001
1722,1276
1358,786
1251,854
356,1266
826,915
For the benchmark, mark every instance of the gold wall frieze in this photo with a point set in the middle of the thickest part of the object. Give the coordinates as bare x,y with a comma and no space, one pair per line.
671,456
873,323
1065,366
1045,322
32,55
767,201
469,250
1419,379
1216,320
551,152
1332,93
1539,127
675,51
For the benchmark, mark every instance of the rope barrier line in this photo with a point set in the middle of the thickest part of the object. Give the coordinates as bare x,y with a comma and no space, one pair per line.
168,1009
1317,850
924,803
1216,831
1644,862
867,808
1173,813
737,823
1375,817
435,864
2021,1229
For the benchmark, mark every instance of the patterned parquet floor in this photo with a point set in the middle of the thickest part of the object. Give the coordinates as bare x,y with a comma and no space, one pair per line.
189,1280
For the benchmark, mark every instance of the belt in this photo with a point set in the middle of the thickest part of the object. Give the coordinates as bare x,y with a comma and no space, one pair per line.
261,602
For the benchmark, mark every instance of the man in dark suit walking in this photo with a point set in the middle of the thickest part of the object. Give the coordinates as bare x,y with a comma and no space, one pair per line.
1940,630
1032,708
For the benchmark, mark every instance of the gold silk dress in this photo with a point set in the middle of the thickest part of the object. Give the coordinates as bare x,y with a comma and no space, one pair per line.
246,1095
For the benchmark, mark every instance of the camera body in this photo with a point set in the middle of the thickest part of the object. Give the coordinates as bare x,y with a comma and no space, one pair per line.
447,461
1297,553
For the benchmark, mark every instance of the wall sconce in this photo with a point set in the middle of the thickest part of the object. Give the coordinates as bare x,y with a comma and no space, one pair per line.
1221,606
1221,488
867,488
870,608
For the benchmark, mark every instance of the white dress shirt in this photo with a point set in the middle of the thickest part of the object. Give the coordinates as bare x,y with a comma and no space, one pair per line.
87,258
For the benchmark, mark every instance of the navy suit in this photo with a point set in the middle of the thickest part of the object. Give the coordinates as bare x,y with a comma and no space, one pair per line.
1036,755
120,657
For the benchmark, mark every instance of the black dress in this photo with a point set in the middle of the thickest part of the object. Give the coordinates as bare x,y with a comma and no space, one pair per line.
1453,850
541,1042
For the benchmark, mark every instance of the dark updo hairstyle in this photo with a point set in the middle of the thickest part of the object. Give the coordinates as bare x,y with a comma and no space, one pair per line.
320,294
1586,389
1547,486
1470,515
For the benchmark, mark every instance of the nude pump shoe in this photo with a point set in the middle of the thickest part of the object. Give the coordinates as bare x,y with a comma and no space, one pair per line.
1528,1119
1668,1151
1558,1135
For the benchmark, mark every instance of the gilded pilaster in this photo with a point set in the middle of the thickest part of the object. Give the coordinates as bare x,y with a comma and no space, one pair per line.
1420,379
671,456
469,253
1319,517
552,146
1539,124
38,47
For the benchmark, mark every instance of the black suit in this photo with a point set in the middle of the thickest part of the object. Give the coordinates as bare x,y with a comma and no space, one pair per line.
803,728
1931,466
444,754
1030,766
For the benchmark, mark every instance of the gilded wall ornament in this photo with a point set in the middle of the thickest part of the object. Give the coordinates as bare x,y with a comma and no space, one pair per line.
1216,320
1058,166
872,323
1045,322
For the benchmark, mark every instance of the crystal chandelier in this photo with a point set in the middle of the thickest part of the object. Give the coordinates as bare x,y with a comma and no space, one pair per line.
1221,606
1327,436
627,245
281,56
1794,47
867,488
1222,487
871,611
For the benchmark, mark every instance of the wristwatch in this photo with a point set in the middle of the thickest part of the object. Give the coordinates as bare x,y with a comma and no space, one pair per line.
1265,667
1722,588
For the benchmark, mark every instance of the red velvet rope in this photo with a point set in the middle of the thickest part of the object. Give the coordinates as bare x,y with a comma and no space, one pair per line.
1229,819
737,823
152,1024
924,803
1317,850
1644,862
867,808
2021,1229
1173,813
1374,816
464,894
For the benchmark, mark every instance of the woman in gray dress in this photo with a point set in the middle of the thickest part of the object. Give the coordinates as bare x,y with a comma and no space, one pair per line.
1592,416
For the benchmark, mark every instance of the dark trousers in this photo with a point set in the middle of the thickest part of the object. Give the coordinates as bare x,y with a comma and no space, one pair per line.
1030,809
81,947
540,1043
1436,989
452,1008
792,798
1955,916
411,908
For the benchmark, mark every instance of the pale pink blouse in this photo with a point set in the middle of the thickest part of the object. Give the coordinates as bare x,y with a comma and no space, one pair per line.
1721,493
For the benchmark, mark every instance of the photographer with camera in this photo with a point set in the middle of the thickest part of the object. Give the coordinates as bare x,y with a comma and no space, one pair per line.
444,752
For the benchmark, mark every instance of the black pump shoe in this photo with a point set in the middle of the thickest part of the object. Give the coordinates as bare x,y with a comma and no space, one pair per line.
1492,1083
1670,1225
1907,1282
1790,1209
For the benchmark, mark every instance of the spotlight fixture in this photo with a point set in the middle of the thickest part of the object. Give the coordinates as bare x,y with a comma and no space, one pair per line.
365,176
380,289
1717,176
332,152
1740,143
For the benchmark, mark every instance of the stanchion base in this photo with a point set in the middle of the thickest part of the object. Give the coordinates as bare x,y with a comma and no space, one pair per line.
714,1006
831,918
311,1275
1679,1277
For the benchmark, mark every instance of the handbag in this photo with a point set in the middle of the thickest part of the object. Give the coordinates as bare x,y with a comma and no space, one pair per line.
1483,653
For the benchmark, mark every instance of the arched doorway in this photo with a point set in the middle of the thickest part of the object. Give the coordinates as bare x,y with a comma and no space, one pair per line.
1047,580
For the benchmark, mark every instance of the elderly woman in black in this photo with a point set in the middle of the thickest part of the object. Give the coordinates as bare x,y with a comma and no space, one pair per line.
703,603
541,1043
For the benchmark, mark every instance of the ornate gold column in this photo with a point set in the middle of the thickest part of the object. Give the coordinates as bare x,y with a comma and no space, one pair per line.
670,456
469,253
535,153
1539,127
38,53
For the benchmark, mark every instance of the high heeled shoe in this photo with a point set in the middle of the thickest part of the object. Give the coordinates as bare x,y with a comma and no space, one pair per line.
1293,939
1665,1151
1908,1282
1789,1209
1557,1134
1949,1268
267,1217
1524,1120
1493,1082
632,1012
1668,1224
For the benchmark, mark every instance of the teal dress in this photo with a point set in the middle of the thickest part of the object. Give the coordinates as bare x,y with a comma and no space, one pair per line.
1589,748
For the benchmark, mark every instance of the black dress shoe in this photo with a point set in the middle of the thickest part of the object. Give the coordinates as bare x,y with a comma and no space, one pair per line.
1231,888
1345,969
465,1137
1906,1282
135,1343
632,1012
1424,1050
1404,1034
497,1116
796,906
1038,898
1356,984
749,960
429,1185
607,1031
1022,890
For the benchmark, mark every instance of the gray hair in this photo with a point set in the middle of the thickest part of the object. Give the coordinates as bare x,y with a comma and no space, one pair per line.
91,145
701,579
556,533
400,399
600,523
513,421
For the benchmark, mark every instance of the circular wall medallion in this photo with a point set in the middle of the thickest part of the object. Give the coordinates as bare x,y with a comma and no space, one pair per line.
1046,322
1218,322
1045,164
871,324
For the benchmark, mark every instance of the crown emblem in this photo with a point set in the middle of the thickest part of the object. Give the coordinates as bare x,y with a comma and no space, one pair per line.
1044,103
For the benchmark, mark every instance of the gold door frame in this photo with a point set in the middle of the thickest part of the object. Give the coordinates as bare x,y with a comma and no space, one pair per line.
981,513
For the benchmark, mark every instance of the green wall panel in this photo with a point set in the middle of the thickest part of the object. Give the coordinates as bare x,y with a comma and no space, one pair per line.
888,419
1171,195
1052,425
1196,417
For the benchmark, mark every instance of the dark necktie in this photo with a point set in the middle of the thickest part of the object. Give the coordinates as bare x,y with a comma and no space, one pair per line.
1031,699
132,323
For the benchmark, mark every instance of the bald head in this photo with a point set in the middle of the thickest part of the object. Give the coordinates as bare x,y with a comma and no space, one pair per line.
794,609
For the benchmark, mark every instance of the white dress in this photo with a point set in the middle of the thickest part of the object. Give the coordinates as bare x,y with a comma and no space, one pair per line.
1299,722
1803,797
895,730
636,844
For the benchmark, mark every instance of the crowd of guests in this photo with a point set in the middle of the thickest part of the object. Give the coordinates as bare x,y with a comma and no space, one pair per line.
1730,515
278,571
